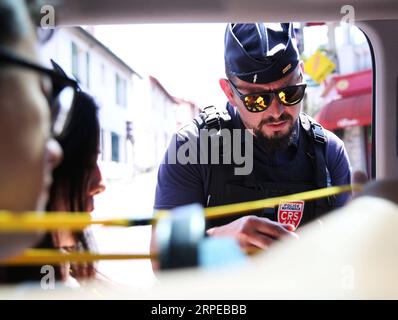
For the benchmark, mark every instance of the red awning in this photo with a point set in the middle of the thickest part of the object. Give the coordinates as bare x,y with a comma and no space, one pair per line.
313,24
354,83
346,112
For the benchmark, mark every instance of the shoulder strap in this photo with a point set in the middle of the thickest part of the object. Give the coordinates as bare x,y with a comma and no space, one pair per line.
313,128
317,135
317,139
212,118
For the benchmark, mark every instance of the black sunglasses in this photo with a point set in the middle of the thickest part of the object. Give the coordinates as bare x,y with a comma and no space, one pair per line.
63,93
258,102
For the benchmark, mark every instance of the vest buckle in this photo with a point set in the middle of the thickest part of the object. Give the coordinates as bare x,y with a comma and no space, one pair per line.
317,133
214,118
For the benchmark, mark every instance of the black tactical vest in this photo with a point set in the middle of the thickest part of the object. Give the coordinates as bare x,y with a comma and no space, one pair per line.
306,171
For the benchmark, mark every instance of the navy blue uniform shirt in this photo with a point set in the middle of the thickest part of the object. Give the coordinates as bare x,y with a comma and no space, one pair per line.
180,184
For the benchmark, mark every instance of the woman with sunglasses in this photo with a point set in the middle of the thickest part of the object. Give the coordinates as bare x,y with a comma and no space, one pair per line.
291,152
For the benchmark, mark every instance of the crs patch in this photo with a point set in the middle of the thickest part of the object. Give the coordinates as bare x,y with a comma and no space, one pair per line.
290,212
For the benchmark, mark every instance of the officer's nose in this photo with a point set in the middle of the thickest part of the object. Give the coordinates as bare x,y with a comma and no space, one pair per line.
275,109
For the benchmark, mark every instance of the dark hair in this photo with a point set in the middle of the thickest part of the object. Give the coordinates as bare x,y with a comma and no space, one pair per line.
80,144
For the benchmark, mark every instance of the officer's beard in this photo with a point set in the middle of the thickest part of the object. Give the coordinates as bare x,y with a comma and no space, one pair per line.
278,141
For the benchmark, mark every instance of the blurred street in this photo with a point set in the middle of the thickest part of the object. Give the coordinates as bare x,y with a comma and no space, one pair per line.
127,199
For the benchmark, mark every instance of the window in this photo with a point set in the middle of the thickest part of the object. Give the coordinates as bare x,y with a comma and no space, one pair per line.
75,61
103,71
87,70
121,87
102,144
129,131
81,71
115,147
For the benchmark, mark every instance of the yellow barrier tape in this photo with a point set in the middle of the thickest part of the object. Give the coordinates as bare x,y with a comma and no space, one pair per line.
230,209
70,220
30,221
33,221
50,256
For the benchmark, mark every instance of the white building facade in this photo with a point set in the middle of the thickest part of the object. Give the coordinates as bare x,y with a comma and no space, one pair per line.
137,115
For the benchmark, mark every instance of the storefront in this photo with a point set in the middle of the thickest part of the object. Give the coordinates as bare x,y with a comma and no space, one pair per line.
348,113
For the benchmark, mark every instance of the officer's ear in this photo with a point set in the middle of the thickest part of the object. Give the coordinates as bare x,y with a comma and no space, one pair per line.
225,86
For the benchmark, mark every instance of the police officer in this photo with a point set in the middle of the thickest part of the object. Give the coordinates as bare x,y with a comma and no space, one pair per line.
291,152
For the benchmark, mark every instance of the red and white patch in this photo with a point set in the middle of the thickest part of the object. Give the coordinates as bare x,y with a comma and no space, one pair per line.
291,212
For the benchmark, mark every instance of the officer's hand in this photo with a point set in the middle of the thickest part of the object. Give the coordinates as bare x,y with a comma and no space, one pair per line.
253,232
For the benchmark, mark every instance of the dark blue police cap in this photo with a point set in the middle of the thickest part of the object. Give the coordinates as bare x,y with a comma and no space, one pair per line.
260,52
